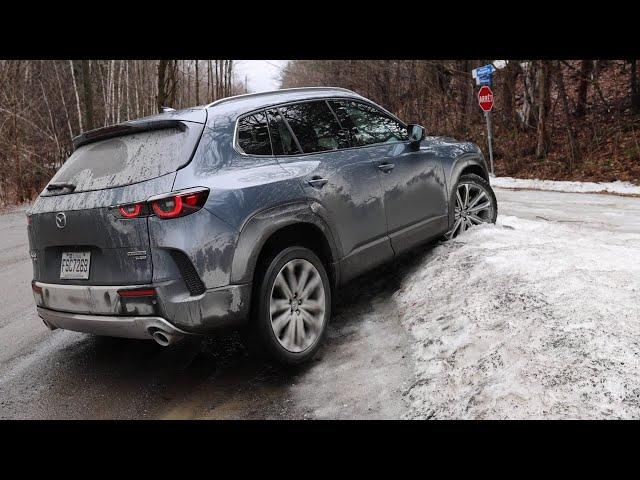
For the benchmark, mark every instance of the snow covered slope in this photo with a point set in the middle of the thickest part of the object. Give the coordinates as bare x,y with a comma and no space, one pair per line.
526,319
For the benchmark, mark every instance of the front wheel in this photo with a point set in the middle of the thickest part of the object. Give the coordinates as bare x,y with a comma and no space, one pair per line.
293,306
474,203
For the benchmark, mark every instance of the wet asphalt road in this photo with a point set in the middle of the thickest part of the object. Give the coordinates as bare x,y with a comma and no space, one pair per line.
362,371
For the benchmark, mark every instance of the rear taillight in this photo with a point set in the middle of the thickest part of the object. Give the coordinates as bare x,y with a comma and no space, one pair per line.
169,205
131,210
179,204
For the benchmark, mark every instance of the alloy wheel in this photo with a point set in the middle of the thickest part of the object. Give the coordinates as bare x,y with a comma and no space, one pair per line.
473,207
297,305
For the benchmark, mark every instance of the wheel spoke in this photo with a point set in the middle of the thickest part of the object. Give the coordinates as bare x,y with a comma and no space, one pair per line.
311,321
479,208
475,219
313,283
313,306
278,305
303,278
301,335
291,277
289,335
466,195
459,200
280,322
478,197
282,284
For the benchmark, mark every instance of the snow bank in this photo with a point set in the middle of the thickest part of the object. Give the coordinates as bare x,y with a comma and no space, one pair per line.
526,319
579,187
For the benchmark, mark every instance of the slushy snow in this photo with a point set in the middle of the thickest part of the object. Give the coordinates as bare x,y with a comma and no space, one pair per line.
618,187
526,319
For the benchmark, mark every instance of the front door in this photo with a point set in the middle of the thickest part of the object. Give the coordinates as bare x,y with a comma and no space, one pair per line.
412,179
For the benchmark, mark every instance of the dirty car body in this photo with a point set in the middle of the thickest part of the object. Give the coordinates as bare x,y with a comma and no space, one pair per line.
114,254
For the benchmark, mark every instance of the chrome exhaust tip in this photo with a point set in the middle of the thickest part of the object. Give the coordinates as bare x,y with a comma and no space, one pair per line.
163,338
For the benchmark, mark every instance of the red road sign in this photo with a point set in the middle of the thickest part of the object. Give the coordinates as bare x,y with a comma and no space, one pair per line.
485,98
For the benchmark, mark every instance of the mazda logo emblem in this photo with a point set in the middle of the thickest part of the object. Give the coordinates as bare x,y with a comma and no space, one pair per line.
61,220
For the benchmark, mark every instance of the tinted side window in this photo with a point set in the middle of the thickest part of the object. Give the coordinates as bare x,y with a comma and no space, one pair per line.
315,126
281,138
367,125
253,135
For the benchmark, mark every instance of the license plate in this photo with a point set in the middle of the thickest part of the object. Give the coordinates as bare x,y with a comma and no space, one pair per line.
75,265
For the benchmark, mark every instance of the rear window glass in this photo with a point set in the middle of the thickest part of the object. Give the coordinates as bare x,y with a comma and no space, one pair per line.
119,161
253,135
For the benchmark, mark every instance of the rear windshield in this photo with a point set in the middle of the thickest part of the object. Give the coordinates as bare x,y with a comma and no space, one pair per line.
119,161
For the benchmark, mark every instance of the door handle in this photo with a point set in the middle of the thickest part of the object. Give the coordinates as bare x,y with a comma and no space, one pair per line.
387,167
317,182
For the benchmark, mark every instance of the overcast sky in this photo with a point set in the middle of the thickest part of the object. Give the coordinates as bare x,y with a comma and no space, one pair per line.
261,75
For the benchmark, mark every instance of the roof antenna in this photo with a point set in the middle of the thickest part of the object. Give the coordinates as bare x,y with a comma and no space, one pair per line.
168,109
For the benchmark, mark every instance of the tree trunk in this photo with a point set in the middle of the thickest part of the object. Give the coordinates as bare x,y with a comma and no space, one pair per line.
508,93
88,95
64,103
197,84
162,94
542,145
586,66
75,89
574,151
635,88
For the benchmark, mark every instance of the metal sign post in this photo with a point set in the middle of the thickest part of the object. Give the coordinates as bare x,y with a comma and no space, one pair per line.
483,77
485,100
487,116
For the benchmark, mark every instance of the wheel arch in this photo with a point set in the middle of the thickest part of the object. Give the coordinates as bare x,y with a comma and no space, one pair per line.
281,226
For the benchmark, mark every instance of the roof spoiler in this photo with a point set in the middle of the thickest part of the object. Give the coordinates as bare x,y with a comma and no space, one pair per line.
135,126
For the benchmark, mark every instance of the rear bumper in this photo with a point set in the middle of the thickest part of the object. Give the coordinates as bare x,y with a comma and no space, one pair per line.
101,310
112,326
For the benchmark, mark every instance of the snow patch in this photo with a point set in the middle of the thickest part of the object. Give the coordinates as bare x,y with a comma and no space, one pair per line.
526,319
618,187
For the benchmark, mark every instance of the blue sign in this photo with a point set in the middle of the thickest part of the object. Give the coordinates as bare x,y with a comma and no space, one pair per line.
484,74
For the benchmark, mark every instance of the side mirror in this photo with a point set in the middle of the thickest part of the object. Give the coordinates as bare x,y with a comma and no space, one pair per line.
416,133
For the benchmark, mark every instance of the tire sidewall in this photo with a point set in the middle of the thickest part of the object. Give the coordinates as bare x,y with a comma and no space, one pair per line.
262,316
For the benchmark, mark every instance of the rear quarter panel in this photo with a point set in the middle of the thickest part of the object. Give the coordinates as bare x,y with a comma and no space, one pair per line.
240,187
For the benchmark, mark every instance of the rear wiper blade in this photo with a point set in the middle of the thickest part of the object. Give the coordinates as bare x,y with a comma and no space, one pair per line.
61,186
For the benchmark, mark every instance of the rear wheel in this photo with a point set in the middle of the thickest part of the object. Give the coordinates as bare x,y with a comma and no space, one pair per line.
474,203
293,307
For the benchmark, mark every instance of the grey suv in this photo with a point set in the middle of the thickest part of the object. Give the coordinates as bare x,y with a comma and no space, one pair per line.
248,212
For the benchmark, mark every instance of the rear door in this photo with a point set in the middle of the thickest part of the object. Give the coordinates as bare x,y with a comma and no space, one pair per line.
343,181
77,234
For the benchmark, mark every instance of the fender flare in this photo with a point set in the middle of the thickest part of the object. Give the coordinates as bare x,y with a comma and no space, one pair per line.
258,228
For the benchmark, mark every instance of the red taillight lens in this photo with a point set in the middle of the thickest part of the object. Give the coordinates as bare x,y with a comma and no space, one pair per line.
131,210
180,204
170,207
138,292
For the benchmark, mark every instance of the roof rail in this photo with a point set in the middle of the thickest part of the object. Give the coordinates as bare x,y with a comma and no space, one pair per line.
257,94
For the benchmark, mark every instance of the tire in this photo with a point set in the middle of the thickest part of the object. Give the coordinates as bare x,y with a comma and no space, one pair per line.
464,217
294,332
